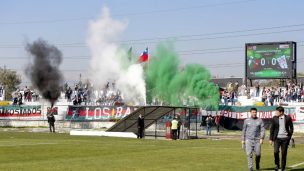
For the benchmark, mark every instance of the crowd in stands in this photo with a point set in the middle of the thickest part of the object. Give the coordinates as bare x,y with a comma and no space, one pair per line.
268,95
290,93
80,94
24,95
230,93
109,95
85,95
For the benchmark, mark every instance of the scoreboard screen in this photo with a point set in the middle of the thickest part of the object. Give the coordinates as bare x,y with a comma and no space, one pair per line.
270,60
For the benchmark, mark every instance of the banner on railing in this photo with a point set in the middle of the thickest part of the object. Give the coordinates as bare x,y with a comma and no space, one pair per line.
264,112
17,112
98,112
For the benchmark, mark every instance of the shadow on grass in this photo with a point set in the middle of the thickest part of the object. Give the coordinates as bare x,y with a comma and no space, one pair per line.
269,168
288,168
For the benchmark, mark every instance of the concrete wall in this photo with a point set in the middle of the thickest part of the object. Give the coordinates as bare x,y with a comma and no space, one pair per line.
58,124
67,125
298,127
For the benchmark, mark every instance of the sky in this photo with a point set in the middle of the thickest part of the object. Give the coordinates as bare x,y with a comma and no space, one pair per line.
211,33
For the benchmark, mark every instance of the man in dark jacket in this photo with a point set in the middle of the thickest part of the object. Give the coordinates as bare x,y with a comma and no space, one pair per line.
140,126
51,121
217,122
281,131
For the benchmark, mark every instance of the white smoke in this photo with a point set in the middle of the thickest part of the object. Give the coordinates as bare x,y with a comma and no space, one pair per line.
106,63
132,85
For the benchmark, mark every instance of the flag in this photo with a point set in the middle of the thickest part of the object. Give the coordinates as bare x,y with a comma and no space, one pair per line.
144,56
130,54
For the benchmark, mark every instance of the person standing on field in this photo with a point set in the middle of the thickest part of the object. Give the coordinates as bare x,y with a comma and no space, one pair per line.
178,126
209,122
217,122
140,126
51,121
281,131
174,127
252,138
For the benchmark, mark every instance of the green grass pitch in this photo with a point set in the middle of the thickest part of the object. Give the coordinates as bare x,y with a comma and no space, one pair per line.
45,151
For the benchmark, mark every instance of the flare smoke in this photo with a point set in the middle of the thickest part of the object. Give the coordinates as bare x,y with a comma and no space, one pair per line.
43,71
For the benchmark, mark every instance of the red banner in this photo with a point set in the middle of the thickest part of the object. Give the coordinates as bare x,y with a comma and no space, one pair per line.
98,112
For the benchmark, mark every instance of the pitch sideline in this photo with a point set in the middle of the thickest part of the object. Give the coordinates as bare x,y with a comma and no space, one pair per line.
296,165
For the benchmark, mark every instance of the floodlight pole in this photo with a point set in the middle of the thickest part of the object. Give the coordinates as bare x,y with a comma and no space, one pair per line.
294,63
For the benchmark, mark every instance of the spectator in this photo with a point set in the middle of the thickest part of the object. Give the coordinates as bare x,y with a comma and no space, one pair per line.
68,94
217,122
248,93
1,91
29,96
276,95
26,92
302,95
51,121
257,90
226,96
233,98
140,126
19,100
236,88
174,125
243,90
264,96
178,126
208,125
229,87
35,96
75,100
272,97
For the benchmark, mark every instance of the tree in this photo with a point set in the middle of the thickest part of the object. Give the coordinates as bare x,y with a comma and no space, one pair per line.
10,80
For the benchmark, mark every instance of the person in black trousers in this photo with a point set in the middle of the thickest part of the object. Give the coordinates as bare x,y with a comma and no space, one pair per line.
178,126
140,126
281,130
51,121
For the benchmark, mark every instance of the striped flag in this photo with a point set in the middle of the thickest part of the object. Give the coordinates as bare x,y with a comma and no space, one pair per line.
144,57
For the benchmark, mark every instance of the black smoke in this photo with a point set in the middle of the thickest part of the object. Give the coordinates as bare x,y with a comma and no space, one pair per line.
43,70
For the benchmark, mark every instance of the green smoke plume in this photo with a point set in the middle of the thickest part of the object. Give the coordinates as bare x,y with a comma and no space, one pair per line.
169,82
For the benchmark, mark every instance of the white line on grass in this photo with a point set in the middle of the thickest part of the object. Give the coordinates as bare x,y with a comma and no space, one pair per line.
13,145
296,165
225,148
